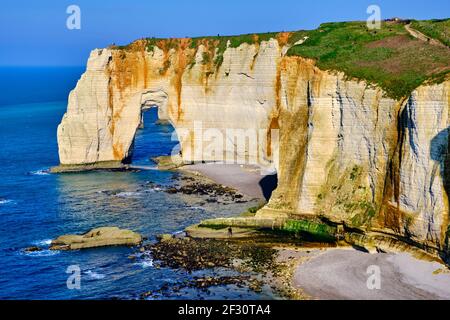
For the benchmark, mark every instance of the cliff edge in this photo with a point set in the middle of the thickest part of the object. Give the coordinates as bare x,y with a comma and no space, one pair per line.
354,121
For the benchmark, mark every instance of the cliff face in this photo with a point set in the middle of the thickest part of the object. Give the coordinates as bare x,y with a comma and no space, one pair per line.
105,108
342,149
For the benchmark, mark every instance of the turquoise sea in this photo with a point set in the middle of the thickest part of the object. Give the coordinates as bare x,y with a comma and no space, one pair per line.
36,207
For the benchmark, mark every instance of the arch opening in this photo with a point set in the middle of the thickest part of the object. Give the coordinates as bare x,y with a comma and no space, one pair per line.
155,137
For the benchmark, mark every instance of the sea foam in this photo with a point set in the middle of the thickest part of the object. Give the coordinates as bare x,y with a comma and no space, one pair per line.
45,242
43,172
42,253
129,194
94,275
6,201
146,263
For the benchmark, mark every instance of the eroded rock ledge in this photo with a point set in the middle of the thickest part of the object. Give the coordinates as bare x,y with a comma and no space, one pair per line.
346,151
99,237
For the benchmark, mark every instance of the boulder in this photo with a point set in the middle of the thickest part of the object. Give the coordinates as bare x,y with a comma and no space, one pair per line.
100,237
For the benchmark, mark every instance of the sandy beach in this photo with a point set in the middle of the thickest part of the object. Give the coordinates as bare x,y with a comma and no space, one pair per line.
247,179
342,274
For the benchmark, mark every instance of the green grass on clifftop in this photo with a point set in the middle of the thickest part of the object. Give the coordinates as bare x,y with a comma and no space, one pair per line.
437,29
389,57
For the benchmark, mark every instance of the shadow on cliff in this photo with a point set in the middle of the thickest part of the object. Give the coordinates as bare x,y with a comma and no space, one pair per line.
439,152
268,184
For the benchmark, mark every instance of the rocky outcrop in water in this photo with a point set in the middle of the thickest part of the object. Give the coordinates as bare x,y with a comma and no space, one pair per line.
99,237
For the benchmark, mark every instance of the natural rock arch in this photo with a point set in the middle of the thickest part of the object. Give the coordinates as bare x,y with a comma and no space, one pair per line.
151,98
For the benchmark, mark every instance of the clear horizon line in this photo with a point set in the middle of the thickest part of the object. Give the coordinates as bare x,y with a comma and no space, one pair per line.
41,66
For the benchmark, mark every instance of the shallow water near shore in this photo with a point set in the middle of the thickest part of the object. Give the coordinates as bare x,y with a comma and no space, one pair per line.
36,207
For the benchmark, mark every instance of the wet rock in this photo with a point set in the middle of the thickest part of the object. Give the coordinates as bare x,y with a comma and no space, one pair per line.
111,192
205,283
146,294
168,162
190,186
172,190
32,249
192,254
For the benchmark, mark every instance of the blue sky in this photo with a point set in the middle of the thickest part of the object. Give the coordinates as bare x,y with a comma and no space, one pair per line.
35,33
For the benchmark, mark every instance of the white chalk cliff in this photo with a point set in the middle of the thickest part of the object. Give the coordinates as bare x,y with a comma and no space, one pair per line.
346,151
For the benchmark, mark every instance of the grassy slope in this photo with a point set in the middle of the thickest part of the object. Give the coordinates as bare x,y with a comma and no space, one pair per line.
389,57
437,29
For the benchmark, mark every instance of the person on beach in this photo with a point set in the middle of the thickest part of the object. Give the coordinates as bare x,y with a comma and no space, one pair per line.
230,232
